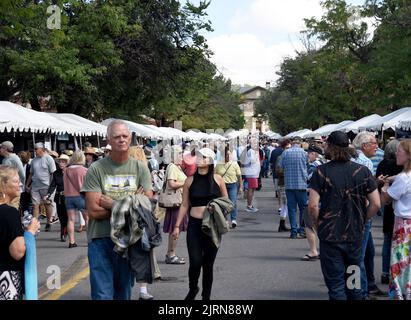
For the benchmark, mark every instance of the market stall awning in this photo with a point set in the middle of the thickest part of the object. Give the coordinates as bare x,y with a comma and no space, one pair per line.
84,126
356,126
322,131
300,133
139,129
389,121
18,118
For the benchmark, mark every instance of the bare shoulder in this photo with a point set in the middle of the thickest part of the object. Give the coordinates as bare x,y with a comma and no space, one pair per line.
188,182
219,179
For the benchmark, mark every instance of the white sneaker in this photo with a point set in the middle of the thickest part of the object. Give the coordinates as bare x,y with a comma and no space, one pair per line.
233,224
146,296
251,209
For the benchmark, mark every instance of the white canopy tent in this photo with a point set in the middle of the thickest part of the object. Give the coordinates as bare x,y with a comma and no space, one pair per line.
216,136
356,126
389,121
169,132
17,118
300,133
233,134
139,129
321,131
86,127
338,127
198,135
273,135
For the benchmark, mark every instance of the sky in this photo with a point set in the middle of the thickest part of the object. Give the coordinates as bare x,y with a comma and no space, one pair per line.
252,37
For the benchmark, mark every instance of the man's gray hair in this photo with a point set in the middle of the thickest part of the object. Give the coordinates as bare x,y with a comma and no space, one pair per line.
113,123
362,138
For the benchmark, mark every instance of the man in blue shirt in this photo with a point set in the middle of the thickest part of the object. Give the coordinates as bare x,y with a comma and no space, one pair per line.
294,162
366,145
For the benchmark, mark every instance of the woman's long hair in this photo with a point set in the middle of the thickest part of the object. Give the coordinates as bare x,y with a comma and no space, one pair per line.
406,146
210,176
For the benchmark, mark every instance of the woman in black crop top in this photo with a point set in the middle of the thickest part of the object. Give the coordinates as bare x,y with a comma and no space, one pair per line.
198,191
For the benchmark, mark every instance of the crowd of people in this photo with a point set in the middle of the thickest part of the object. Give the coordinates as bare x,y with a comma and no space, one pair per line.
119,198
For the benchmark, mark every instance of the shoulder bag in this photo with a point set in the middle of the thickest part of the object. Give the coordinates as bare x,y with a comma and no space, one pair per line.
169,197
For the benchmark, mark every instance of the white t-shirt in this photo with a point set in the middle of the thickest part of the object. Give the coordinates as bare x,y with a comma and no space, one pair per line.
400,191
251,164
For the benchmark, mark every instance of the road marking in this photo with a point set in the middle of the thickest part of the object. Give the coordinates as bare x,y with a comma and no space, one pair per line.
66,287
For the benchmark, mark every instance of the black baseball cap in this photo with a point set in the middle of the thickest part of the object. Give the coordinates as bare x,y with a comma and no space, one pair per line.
313,148
338,138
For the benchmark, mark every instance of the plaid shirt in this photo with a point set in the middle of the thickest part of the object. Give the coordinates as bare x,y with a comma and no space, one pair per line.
294,162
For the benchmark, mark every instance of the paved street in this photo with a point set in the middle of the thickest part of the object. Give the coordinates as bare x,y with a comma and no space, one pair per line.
254,262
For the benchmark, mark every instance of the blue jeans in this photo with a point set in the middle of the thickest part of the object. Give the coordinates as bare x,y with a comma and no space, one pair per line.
335,260
386,254
294,198
369,262
365,263
232,190
110,275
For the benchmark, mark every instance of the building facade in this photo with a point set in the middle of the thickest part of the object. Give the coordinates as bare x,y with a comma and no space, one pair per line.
252,123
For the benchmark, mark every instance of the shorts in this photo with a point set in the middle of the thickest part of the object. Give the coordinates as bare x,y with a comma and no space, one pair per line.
252,183
38,195
75,203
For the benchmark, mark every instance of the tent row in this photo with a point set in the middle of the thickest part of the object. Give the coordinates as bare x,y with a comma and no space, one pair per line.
15,118
165,133
399,119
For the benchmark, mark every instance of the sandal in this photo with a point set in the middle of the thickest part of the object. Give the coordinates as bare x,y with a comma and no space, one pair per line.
174,260
307,257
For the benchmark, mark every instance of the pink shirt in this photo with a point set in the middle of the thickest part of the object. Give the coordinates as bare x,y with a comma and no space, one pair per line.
189,165
73,180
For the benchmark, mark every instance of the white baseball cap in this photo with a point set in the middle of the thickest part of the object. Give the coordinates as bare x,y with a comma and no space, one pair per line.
207,152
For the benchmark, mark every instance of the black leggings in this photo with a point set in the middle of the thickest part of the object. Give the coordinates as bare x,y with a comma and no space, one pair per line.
202,252
61,210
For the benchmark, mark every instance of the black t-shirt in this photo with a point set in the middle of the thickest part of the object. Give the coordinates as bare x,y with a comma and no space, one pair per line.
10,229
390,168
343,188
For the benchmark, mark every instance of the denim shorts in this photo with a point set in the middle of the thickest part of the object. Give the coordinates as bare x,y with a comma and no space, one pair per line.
75,203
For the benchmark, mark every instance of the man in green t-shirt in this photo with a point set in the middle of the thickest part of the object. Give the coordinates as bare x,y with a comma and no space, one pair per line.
107,180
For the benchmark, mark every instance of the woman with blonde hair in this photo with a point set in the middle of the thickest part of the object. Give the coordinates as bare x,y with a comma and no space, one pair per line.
399,192
175,179
13,247
137,153
73,181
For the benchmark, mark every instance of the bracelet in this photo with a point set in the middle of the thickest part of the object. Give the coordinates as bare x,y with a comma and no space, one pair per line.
176,227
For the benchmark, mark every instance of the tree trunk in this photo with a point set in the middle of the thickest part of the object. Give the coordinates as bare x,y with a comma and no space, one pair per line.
35,105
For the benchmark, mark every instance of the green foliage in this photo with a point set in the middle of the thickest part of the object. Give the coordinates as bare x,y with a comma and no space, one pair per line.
351,74
118,58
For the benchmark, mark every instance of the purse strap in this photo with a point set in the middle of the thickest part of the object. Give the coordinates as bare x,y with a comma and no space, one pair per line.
165,184
227,169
